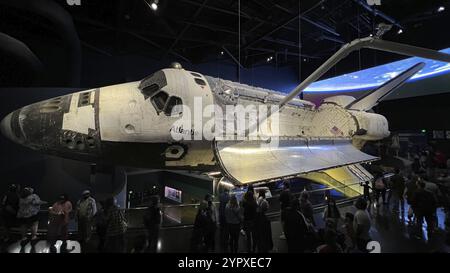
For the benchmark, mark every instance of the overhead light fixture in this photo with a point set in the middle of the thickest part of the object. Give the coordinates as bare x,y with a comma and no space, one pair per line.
221,52
269,59
153,4
441,9
400,31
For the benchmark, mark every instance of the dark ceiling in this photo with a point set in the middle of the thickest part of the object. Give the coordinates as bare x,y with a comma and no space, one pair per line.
197,31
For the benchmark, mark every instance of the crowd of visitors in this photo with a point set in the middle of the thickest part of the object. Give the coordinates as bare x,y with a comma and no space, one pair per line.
243,222
23,208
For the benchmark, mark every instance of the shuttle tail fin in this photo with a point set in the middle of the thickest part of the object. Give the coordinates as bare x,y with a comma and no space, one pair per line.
372,98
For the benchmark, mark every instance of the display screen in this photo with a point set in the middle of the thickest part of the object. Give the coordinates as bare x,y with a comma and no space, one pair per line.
172,194
376,76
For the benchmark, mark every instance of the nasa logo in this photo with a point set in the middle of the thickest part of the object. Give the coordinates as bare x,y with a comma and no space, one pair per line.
374,2
373,247
73,2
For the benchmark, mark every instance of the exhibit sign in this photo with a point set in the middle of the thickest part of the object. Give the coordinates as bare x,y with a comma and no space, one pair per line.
172,194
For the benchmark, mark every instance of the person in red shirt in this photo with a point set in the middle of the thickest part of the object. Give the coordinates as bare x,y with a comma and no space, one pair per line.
59,216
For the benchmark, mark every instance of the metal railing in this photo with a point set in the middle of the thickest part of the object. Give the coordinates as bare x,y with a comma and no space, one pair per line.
183,215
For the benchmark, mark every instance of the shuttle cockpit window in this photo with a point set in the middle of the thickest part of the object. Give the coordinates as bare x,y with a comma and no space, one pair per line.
150,85
200,81
150,90
159,100
174,106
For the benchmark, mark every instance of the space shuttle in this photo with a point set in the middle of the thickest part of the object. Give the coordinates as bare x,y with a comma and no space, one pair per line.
150,124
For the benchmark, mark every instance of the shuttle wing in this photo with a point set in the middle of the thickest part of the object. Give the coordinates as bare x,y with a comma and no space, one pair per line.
256,161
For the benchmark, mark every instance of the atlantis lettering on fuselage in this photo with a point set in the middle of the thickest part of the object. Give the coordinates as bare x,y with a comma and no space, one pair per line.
181,130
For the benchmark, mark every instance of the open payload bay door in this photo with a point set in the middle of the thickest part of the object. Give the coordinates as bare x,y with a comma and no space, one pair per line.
245,162
345,179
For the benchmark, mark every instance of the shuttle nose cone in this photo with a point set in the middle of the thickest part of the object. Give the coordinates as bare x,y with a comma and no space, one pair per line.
6,128
40,126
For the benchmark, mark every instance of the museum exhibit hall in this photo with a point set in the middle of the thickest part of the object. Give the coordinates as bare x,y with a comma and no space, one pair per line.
224,128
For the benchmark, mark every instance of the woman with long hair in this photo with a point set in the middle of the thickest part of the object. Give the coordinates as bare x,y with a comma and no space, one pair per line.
233,220
249,207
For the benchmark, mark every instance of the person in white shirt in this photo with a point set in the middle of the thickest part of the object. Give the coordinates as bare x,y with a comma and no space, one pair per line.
28,213
86,210
361,225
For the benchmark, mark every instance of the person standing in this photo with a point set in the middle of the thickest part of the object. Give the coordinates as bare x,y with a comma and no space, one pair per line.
367,194
349,232
424,208
397,190
86,210
331,214
200,226
224,198
9,208
59,216
249,207
233,220
116,227
380,190
306,207
152,222
28,213
410,190
285,202
211,224
433,188
295,228
263,230
100,225
262,199
361,225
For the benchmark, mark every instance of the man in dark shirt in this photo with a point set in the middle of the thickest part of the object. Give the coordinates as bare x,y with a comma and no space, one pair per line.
295,228
9,208
152,222
285,196
224,198
285,202
424,207
397,189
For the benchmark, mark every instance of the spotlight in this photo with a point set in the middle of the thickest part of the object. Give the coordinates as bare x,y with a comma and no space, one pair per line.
400,31
441,9
154,6
269,59
221,52
304,59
